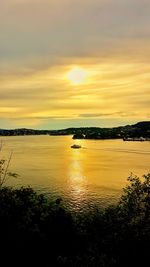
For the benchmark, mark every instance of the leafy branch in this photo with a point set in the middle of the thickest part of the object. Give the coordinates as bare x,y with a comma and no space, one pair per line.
5,174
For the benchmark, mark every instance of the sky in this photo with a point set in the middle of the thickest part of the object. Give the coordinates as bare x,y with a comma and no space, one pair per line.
73,63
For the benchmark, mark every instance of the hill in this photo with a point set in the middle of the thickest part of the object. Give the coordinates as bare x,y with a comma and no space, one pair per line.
140,129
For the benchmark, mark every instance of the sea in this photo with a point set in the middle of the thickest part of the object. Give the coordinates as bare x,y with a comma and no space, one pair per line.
85,178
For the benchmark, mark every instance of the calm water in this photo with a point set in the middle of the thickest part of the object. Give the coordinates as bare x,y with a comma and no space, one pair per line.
96,173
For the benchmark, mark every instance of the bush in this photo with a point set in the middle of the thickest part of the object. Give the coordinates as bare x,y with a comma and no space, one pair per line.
35,231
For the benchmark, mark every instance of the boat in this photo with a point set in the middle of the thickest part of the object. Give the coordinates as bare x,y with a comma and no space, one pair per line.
75,146
139,139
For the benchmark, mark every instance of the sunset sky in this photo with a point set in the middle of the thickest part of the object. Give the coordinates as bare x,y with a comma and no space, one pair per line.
67,63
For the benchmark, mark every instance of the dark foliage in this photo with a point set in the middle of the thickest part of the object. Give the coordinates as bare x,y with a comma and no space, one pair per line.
36,232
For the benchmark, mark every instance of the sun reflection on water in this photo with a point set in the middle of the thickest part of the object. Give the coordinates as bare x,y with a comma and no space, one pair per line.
77,179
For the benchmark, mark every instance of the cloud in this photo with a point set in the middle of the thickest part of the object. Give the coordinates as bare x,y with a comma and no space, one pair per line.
94,115
110,39
41,30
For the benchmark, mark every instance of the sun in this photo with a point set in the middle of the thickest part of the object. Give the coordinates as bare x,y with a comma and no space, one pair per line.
77,75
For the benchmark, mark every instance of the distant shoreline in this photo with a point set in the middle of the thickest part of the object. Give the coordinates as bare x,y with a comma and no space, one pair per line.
140,130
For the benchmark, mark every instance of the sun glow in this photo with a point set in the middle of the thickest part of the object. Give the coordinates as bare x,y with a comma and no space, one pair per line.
77,75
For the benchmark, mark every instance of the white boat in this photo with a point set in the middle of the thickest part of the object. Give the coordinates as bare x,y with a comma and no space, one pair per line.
75,146
141,139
